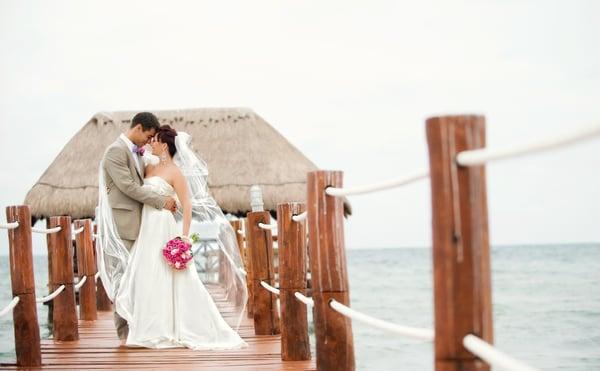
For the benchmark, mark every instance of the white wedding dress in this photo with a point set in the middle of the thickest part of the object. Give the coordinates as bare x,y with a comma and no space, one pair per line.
165,307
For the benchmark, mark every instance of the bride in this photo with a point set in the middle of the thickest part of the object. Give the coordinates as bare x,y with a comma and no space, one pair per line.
165,307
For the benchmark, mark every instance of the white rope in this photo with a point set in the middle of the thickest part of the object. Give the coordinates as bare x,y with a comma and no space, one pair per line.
77,231
307,301
80,283
481,156
338,192
267,226
413,332
243,271
96,276
300,217
12,225
240,232
10,306
51,296
492,355
274,290
46,230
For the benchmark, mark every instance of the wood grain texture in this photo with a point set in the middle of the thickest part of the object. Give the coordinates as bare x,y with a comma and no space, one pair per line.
249,270
461,256
335,349
64,321
266,315
99,349
103,303
295,343
25,320
86,267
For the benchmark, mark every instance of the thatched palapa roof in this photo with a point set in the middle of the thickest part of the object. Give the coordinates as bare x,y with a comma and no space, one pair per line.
240,148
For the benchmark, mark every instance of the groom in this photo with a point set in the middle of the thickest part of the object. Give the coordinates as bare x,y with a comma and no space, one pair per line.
124,177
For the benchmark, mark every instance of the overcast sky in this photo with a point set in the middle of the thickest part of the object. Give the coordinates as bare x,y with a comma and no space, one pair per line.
349,83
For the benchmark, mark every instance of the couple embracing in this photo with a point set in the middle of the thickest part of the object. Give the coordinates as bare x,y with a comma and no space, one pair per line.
144,202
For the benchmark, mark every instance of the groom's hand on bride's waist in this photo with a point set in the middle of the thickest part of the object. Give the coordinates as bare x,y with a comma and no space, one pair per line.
171,204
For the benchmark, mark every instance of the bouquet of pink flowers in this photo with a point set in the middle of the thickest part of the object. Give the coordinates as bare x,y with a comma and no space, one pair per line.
178,252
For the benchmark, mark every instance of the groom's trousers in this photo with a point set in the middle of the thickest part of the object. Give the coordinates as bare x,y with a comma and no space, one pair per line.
120,323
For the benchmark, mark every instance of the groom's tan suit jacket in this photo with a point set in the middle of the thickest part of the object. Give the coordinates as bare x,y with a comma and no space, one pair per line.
126,195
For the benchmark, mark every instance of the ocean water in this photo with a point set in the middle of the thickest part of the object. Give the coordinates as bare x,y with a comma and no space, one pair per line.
546,305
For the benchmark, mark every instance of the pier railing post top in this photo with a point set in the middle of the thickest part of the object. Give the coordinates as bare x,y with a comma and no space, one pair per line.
466,116
256,199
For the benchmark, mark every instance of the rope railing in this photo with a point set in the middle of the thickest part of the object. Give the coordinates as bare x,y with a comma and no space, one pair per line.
300,217
80,283
267,226
96,276
413,332
270,288
493,356
46,230
10,306
12,225
339,192
478,157
77,231
304,299
54,294
240,232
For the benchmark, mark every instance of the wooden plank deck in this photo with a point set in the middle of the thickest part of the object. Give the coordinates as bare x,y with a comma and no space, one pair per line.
99,348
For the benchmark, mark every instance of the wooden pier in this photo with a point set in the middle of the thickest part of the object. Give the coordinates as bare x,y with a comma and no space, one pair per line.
310,237
98,348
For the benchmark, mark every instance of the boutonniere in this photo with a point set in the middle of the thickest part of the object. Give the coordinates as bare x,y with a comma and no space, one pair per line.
138,150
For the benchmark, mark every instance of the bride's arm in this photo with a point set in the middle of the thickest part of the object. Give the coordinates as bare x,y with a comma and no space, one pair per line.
181,188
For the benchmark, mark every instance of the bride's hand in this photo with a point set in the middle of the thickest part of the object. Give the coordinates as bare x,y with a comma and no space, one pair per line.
171,204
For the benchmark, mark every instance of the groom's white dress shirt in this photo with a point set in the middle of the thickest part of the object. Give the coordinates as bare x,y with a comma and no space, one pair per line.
135,155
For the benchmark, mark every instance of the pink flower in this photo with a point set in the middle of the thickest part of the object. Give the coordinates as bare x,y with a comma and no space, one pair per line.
177,253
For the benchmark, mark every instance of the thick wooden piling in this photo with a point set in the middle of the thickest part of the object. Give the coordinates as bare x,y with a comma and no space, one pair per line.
103,303
248,267
27,331
237,225
295,345
461,255
86,267
61,249
260,242
335,348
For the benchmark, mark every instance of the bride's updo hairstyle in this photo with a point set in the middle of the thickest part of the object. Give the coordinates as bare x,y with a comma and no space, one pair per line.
167,134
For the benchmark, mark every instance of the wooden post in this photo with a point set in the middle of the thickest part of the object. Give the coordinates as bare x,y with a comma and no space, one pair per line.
65,314
27,331
86,267
295,345
103,303
266,317
249,272
335,348
237,225
461,254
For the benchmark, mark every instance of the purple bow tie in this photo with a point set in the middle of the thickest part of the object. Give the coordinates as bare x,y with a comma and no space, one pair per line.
138,150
